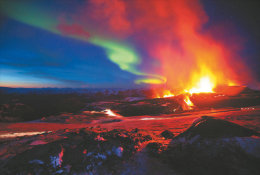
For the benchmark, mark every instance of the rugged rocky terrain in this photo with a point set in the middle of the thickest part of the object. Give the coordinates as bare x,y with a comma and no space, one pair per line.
218,135
208,146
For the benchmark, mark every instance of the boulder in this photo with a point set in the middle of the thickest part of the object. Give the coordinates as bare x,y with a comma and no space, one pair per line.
167,134
214,146
209,127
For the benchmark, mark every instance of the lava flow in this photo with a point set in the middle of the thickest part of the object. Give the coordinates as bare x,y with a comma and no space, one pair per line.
167,93
204,85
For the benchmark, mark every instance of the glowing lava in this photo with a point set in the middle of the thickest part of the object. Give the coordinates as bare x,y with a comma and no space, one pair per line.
188,102
167,94
205,85
109,112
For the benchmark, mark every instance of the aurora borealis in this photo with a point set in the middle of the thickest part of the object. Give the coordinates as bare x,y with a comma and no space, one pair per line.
120,43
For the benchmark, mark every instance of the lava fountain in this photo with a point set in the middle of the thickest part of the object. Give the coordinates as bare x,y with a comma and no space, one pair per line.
204,85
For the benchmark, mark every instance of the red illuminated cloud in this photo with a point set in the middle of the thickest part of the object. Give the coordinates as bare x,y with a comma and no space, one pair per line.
169,31
73,29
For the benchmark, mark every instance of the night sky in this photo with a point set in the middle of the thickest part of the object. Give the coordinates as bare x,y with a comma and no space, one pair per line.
74,44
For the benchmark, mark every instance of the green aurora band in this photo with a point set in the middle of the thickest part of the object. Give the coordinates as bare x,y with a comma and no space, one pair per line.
119,53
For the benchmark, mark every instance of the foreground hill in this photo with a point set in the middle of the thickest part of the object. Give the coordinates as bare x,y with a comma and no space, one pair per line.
208,146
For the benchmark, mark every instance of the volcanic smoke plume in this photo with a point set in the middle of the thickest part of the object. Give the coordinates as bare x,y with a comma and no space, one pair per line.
160,41
170,33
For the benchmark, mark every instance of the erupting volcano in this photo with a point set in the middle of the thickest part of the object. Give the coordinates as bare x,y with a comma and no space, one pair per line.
129,87
175,45
204,85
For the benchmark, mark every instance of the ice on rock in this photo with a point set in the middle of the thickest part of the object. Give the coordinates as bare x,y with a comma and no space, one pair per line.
118,151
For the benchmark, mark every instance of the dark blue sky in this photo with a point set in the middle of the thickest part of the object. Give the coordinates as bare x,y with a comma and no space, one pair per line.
31,55
244,16
34,57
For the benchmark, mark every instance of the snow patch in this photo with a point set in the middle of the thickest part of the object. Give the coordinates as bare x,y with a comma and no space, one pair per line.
118,151
102,156
36,161
249,145
56,161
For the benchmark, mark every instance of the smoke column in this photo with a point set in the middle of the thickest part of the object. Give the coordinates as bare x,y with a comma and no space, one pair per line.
169,33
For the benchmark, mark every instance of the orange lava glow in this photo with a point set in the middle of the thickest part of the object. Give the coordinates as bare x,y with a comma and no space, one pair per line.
193,58
163,93
198,60
177,36
109,112
167,93
188,101
205,85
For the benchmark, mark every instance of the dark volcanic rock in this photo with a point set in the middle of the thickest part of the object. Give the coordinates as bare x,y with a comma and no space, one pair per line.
154,106
209,127
135,130
82,151
39,160
209,146
167,134
213,146
153,148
